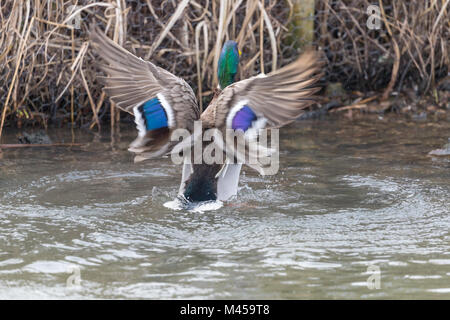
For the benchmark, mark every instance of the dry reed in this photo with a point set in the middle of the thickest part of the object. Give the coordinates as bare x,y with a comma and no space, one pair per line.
47,71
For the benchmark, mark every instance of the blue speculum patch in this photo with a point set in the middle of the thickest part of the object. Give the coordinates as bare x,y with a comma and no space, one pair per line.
243,119
154,114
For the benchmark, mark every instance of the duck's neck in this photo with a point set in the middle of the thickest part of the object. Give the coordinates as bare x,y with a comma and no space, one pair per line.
202,184
228,67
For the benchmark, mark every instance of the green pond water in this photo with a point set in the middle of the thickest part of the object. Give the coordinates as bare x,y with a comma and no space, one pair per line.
358,210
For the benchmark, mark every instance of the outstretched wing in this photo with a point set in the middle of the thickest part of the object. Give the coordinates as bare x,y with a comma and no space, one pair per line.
160,101
266,101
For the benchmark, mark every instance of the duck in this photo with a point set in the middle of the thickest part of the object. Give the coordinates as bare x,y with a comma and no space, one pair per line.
163,103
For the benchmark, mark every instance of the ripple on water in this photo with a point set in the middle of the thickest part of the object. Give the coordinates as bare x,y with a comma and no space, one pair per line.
46,267
310,232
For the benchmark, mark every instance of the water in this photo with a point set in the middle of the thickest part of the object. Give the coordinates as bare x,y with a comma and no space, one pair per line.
352,198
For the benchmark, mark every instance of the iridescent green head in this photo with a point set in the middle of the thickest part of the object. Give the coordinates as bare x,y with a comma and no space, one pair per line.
228,63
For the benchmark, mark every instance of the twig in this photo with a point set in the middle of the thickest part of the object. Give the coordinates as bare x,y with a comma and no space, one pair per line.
19,59
177,14
35,145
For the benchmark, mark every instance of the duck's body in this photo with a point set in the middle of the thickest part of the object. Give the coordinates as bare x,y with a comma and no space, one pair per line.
162,103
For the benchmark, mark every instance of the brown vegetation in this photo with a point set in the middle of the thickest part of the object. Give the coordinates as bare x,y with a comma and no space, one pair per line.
47,70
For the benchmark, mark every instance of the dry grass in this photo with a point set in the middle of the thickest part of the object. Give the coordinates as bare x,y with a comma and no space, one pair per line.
47,70
411,47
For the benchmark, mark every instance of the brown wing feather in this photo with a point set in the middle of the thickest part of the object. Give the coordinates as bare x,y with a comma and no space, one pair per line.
130,76
131,81
280,97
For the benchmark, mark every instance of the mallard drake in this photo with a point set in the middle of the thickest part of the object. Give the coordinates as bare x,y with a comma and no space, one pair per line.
162,102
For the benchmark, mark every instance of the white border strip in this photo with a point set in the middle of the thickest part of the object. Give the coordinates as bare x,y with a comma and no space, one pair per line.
168,109
233,112
140,122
